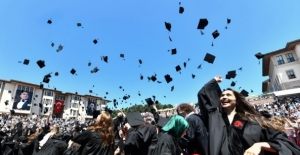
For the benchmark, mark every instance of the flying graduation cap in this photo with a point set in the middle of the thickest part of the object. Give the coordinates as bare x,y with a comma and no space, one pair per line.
174,51
95,70
41,63
178,68
232,84
202,24
56,73
168,27
122,56
231,74
209,58
59,48
259,56
228,22
26,61
52,44
73,71
79,24
215,35
244,93
168,78
172,88
49,21
193,76
140,62
104,58
95,41
89,64
141,77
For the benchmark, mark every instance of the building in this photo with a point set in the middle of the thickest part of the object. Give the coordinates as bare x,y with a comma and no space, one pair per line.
283,69
29,99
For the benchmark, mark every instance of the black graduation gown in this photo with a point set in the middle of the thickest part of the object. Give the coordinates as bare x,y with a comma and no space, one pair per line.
53,147
138,141
196,139
91,144
166,145
220,131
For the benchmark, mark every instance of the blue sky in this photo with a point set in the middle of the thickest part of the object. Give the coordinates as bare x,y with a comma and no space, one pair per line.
136,28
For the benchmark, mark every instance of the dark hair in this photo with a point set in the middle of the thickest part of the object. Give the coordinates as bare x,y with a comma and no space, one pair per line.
245,110
186,108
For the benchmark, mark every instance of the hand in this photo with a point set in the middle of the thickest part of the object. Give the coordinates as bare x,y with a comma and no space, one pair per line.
255,149
127,126
117,151
218,78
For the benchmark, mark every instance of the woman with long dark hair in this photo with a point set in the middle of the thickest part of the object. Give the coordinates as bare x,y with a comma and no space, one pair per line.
236,128
99,138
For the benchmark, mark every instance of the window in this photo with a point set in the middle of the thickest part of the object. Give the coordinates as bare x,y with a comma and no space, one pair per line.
291,74
29,89
75,97
279,60
289,57
48,93
60,97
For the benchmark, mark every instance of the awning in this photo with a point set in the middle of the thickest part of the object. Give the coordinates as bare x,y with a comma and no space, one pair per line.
287,92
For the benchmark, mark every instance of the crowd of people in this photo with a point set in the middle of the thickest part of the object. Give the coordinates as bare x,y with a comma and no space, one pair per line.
223,124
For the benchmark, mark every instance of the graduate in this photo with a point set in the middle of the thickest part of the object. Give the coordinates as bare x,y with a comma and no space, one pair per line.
235,128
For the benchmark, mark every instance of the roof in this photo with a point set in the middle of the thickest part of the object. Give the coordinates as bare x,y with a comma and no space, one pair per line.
267,57
287,92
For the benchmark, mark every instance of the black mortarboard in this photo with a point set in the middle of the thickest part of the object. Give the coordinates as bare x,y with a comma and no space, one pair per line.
95,41
78,24
178,68
141,77
174,51
168,26
52,44
122,55
95,70
231,74
251,91
153,78
56,73
91,91
42,85
168,78
162,122
232,84
49,21
209,58
215,34
266,114
41,63
96,113
140,61
181,9
89,64
228,21
135,119
6,102
104,58
12,111
202,23
244,93
45,110
193,76
106,93
172,88
241,68
26,62
259,55
199,67
46,78
149,101
60,47
184,64
73,71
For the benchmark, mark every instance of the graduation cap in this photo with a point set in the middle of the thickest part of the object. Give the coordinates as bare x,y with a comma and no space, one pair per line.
241,68
251,91
49,21
26,61
60,47
193,76
172,88
12,111
41,63
232,84
153,78
122,55
52,44
106,93
209,58
46,110
168,26
168,78
104,58
95,41
149,101
96,113
6,102
56,73
178,68
91,91
244,93
140,62
95,70
199,67
228,22
215,35
47,78
202,24
135,119
265,114
231,74
141,77
73,71
259,55
173,51
181,9
89,64
162,122
184,64
42,86
139,93
79,24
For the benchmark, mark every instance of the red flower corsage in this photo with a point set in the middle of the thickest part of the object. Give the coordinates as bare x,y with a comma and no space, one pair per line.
238,124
